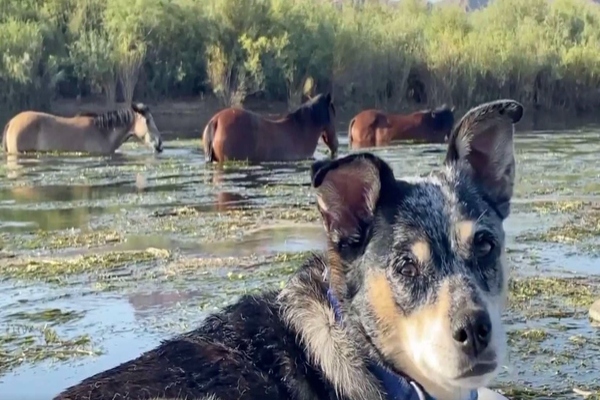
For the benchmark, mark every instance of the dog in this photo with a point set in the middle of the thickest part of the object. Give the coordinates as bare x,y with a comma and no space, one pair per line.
405,303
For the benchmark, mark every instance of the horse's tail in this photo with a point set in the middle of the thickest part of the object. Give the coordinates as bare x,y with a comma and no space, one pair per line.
350,132
207,138
4,142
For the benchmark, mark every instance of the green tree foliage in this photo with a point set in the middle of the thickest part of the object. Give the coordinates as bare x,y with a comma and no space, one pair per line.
93,57
20,60
540,52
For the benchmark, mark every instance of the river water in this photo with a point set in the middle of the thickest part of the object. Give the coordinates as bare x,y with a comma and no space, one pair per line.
102,257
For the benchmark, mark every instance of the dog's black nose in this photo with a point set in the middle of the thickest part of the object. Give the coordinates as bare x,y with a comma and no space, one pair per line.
472,329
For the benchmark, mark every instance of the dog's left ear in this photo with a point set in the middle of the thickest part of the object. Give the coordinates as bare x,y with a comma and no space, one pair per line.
348,191
484,138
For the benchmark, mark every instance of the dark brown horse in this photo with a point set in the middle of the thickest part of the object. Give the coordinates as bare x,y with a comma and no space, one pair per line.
238,134
377,128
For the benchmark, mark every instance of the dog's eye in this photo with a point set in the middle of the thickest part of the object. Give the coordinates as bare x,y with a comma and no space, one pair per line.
408,268
483,245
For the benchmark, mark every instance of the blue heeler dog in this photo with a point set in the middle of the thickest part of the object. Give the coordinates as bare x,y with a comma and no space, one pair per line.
404,304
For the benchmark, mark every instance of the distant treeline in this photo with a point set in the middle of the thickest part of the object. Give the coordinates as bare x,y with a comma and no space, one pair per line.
541,52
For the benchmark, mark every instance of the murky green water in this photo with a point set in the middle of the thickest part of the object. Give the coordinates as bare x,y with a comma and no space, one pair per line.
104,257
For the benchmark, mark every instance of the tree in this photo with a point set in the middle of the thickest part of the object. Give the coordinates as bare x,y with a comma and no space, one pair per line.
93,57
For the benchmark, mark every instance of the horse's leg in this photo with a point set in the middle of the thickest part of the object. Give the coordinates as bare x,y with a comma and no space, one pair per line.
208,138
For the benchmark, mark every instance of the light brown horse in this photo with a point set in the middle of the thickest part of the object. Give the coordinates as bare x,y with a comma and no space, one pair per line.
32,131
371,128
237,134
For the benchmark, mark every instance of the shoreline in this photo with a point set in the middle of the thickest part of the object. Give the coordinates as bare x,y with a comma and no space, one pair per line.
186,118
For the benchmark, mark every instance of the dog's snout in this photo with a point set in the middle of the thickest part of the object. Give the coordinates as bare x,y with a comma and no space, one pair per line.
472,330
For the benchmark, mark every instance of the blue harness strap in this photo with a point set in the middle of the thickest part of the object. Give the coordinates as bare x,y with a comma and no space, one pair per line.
396,386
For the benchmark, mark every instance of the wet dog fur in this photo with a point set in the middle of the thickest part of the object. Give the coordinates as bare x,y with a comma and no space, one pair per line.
417,265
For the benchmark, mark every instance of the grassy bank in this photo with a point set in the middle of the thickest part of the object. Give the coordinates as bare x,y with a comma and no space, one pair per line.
541,52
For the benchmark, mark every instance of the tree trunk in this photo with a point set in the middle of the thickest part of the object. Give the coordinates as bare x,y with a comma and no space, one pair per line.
110,92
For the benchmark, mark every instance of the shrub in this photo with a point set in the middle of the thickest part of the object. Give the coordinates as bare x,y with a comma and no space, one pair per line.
541,52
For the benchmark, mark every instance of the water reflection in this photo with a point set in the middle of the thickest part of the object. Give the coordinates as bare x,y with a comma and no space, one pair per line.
144,302
224,179
240,187
15,166
55,207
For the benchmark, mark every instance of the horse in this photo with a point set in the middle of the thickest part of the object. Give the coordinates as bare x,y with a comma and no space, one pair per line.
371,128
86,132
236,134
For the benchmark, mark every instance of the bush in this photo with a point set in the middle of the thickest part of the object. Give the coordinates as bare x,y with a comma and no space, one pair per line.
21,48
541,52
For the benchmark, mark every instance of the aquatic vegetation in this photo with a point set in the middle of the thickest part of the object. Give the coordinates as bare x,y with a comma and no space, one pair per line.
21,344
56,270
91,257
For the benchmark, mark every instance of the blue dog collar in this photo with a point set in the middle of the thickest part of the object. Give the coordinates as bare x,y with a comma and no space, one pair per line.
396,386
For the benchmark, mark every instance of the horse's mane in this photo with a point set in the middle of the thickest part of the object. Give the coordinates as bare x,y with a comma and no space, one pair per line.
443,107
116,118
86,114
307,108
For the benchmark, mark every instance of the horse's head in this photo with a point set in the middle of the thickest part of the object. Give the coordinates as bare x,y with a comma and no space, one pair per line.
144,127
440,120
322,113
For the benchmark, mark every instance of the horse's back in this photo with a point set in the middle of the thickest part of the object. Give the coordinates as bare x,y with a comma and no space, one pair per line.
22,131
234,118
39,131
368,118
420,126
364,126
231,135
26,117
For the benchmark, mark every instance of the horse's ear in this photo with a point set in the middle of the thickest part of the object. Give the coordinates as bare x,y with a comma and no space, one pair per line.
348,191
328,98
139,108
484,138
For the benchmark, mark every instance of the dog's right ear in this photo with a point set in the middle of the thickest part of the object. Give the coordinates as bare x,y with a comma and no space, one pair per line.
348,190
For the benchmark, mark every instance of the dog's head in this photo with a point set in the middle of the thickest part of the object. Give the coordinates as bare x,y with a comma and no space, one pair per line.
418,264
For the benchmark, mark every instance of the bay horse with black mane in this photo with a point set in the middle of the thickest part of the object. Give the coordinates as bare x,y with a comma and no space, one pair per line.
235,134
87,132
371,128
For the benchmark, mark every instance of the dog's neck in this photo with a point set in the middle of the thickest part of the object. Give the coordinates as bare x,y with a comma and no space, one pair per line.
403,387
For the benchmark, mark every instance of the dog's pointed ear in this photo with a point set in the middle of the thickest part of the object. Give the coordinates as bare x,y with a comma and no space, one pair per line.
484,138
348,191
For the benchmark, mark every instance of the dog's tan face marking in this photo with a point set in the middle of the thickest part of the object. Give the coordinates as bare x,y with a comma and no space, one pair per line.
391,324
421,251
415,341
397,328
382,301
464,233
